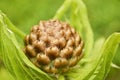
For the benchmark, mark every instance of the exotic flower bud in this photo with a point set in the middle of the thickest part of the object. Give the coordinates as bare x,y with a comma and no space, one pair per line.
53,46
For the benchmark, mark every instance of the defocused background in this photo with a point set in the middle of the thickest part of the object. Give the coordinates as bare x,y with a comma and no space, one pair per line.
104,16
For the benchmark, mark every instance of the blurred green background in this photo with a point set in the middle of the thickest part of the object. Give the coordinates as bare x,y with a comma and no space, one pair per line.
104,16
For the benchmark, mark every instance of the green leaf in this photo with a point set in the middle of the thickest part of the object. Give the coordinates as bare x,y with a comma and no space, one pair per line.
87,31
14,58
11,26
108,52
63,9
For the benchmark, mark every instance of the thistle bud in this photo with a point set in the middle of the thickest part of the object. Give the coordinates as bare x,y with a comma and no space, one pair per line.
54,46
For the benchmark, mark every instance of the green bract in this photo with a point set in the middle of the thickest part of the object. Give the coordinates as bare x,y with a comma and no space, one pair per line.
94,65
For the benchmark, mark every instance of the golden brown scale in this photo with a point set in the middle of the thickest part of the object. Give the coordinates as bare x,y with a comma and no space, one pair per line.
53,46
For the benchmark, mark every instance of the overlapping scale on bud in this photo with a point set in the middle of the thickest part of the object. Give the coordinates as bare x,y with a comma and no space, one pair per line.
53,46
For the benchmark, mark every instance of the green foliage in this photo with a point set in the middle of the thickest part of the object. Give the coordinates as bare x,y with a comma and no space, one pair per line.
95,65
14,58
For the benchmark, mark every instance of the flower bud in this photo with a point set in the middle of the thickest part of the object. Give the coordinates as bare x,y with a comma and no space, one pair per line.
53,46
